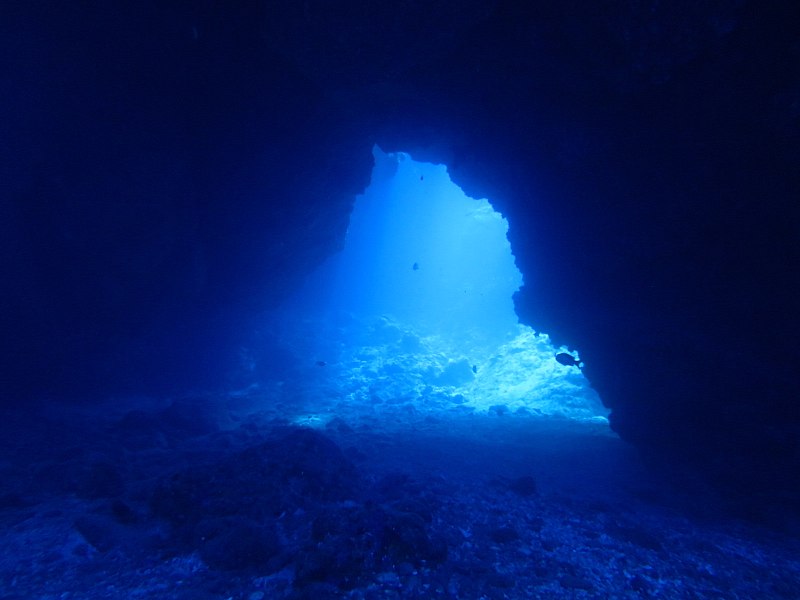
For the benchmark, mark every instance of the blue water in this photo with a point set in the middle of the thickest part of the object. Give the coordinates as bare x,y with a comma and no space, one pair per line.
418,304
420,250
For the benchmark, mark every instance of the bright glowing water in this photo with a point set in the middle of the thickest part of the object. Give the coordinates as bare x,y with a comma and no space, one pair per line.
421,251
417,308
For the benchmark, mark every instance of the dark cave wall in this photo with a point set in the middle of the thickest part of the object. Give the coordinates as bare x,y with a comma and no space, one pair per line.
652,201
165,173
169,172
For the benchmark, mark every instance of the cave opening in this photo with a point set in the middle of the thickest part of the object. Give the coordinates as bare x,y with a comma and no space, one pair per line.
416,313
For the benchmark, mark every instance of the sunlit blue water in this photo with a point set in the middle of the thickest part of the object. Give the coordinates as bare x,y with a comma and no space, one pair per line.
418,304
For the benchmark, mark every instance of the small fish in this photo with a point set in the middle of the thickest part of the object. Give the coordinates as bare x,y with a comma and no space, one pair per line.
568,360
415,266
321,363
474,368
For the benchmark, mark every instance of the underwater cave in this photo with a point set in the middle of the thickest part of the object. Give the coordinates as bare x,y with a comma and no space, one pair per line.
416,312
402,300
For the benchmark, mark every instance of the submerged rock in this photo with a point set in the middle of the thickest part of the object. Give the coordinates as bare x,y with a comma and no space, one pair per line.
297,470
455,374
233,544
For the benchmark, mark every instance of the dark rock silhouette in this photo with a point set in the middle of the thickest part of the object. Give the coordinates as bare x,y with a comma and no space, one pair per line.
167,177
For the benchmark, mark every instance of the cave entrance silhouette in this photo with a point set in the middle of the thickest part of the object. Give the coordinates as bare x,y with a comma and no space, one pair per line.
416,312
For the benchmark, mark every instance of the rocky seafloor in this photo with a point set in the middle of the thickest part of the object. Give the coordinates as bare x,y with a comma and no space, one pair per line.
234,497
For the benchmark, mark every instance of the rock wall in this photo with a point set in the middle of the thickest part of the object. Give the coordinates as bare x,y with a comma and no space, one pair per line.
169,172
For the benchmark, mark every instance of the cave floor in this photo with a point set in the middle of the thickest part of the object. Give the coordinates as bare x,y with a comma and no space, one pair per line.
127,503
